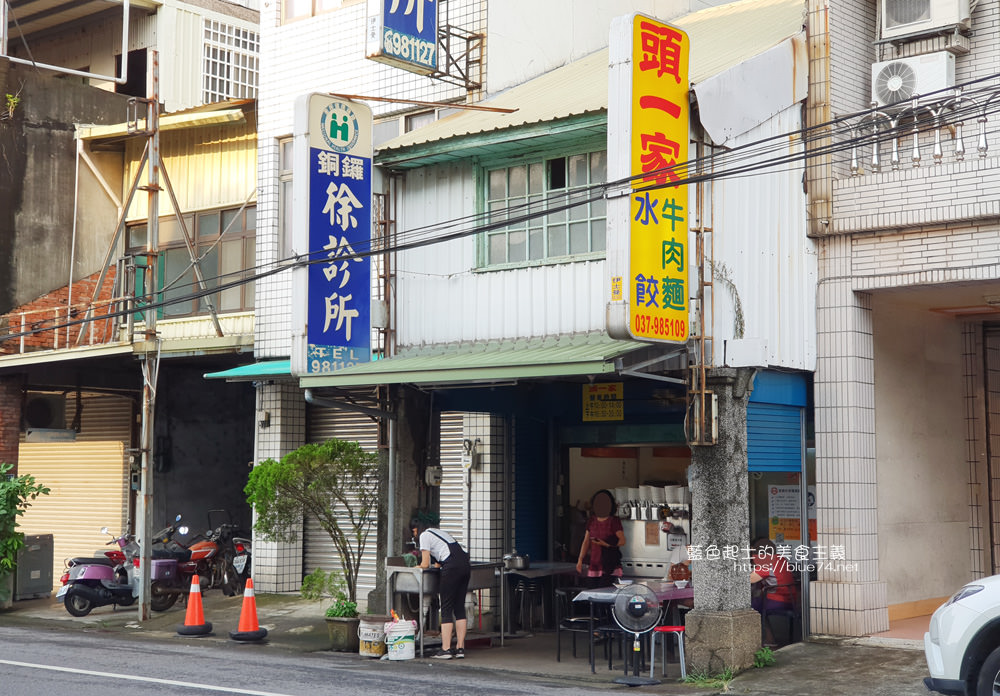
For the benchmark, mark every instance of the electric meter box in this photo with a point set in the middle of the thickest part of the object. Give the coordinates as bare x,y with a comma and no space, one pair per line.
33,577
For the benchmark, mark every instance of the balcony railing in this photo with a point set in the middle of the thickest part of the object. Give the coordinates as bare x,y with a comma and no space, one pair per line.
109,322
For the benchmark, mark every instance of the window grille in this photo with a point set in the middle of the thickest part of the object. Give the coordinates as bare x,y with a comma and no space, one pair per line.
232,56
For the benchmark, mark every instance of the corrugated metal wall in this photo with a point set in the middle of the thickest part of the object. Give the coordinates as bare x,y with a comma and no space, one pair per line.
208,167
760,237
182,57
441,299
319,551
88,478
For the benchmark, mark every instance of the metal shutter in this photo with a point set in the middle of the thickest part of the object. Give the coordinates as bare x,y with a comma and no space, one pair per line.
774,437
88,478
318,549
453,500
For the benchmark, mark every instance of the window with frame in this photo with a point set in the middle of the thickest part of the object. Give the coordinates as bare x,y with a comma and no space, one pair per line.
527,187
292,10
232,56
284,197
225,241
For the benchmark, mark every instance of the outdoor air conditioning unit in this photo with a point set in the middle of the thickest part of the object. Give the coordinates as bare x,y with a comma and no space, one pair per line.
46,411
895,82
912,18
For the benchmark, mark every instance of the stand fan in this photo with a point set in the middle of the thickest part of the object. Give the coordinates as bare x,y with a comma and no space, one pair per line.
637,610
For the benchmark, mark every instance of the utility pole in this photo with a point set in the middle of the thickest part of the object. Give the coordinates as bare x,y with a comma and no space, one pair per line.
151,357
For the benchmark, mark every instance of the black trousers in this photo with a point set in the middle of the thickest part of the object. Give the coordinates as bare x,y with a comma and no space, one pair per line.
454,587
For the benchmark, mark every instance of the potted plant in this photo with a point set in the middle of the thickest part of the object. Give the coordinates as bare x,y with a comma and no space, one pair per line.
15,492
342,619
337,483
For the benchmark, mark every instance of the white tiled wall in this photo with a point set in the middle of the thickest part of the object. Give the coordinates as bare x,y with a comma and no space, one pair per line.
321,54
277,566
848,598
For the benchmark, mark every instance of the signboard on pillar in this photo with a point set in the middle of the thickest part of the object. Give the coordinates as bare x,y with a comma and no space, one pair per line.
403,33
332,224
648,135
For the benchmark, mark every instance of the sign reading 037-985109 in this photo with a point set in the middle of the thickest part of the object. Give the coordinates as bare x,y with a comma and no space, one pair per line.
403,33
332,198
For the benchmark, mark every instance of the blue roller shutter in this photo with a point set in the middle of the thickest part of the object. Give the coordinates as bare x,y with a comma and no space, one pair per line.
774,422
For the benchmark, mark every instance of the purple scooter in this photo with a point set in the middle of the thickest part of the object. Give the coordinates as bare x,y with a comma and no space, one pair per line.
97,582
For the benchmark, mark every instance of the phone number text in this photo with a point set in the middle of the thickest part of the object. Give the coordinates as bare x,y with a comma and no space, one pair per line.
660,327
409,48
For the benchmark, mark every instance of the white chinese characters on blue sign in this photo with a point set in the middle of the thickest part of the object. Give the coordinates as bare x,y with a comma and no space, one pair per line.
339,216
404,33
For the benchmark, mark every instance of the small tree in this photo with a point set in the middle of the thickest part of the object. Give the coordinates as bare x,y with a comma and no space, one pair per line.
15,494
336,482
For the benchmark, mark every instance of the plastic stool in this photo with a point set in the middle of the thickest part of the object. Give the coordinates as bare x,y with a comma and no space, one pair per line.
664,631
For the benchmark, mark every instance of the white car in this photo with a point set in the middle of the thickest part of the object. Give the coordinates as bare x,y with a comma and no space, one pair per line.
962,646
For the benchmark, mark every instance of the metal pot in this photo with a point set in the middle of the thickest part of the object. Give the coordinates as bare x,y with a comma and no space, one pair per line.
513,561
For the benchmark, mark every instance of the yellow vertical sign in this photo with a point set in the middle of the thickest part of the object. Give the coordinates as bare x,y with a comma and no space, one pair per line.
658,263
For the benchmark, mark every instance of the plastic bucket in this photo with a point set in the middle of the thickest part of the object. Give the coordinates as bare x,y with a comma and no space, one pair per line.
371,636
399,639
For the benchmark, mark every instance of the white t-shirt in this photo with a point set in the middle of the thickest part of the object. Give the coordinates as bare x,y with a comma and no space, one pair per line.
437,546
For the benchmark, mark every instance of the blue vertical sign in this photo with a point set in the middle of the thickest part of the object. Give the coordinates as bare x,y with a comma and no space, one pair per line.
403,33
339,205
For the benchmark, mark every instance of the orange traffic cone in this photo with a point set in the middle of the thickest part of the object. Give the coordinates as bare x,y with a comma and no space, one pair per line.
248,630
194,619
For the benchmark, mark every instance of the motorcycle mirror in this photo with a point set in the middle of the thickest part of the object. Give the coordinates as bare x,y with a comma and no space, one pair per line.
104,530
182,530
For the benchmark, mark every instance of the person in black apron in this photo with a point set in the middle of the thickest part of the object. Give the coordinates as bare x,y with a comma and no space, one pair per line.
453,561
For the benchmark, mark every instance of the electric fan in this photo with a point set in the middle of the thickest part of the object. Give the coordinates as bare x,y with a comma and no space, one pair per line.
637,610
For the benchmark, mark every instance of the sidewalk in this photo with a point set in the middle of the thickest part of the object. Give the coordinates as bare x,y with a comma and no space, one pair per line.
874,666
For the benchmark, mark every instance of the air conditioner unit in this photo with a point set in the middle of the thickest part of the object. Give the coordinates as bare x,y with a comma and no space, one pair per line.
895,82
45,411
912,18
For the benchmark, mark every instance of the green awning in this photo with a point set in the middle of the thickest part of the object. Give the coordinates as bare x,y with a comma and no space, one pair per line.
492,361
260,370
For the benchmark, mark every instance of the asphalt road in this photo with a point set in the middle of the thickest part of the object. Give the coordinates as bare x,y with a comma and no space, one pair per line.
41,662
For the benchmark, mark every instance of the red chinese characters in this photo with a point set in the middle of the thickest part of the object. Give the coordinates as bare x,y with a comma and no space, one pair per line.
661,53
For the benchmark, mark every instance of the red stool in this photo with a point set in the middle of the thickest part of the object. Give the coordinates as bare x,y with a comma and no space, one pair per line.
664,631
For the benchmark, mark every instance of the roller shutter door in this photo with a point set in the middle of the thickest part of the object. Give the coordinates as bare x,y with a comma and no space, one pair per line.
452,477
318,549
88,478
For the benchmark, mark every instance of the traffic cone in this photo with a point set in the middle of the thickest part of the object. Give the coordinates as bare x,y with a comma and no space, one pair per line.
248,630
194,619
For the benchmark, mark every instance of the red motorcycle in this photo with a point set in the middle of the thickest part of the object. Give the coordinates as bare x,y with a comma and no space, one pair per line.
215,556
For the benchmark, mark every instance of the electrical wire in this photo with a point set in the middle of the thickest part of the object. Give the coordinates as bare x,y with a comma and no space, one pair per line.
724,163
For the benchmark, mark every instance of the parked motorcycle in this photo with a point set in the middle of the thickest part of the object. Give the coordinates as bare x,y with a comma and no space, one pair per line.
215,557
95,582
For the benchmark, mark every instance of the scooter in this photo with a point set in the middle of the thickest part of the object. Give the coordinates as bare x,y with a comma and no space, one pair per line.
95,582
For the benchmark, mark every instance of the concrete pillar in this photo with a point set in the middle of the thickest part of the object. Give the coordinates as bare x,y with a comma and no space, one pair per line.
848,599
722,630
277,566
11,400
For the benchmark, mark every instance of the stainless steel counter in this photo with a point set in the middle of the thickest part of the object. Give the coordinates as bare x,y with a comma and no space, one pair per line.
399,578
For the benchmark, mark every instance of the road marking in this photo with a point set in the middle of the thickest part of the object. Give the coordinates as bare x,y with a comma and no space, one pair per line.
151,680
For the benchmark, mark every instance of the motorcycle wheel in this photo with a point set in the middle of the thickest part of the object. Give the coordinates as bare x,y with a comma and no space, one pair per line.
160,599
77,604
127,602
232,582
